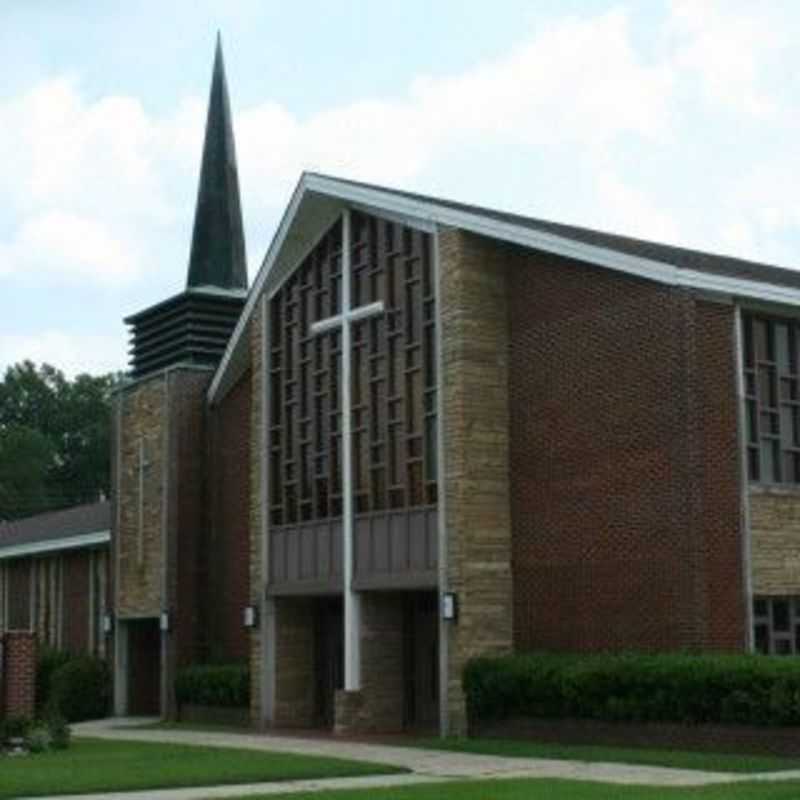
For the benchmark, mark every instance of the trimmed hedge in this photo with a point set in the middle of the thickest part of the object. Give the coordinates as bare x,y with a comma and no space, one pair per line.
226,685
632,687
80,689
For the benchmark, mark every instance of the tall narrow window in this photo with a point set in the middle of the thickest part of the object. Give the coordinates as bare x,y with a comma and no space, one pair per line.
772,399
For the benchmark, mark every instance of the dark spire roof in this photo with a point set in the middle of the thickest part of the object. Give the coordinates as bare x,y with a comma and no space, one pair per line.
218,256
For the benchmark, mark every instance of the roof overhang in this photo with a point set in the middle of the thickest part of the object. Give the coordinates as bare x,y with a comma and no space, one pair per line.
317,199
77,542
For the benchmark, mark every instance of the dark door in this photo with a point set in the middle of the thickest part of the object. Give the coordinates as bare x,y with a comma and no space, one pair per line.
422,662
144,670
328,658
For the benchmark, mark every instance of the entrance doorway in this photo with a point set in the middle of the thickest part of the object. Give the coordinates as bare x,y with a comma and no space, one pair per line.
421,636
144,667
328,657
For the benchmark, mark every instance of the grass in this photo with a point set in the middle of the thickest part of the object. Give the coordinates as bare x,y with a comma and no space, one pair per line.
679,759
94,765
557,790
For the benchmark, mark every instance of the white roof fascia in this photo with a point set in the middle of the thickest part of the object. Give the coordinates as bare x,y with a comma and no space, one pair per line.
429,214
660,271
54,545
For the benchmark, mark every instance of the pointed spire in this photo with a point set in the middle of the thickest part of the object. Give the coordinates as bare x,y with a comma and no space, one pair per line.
218,255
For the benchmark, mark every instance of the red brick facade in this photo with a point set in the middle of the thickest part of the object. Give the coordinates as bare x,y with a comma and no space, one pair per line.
19,674
229,536
624,463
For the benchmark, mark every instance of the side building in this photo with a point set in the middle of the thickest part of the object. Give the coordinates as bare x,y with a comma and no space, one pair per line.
54,571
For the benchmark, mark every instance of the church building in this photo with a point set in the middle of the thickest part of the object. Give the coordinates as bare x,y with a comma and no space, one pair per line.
430,431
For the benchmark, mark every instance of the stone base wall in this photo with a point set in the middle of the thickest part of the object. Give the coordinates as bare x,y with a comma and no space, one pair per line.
19,674
294,662
378,707
775,540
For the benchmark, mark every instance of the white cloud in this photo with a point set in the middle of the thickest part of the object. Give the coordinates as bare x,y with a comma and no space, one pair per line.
727,46
58,246
95,187
70,352
578,83
87,198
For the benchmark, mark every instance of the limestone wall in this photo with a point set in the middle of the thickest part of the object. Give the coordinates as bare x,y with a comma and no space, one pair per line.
474,318
775,540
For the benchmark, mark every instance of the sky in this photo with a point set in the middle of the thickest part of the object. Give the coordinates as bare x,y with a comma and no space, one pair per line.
675,121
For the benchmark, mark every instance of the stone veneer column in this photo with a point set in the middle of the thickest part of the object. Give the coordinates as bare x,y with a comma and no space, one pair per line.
474,341
258,688
378,706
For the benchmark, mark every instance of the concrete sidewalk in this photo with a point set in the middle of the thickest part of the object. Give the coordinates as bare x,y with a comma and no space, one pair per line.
426,765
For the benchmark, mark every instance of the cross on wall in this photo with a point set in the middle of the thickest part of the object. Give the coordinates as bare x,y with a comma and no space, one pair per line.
343,322
144,464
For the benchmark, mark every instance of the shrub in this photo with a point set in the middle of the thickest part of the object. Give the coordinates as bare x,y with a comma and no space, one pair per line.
60,733
80,689
38,738
47,663
225,685
675,687
14,728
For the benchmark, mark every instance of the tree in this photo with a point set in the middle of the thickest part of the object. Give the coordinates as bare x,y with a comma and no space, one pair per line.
25,458
54,439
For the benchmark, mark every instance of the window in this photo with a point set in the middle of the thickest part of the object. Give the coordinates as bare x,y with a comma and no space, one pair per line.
776,625
772,399
393,377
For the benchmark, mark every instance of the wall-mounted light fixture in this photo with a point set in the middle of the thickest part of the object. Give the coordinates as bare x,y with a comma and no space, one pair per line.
108,623
164,622
250,617
450,606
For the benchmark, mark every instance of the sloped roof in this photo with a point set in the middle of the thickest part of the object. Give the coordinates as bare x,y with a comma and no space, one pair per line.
84,525
699,260
317,198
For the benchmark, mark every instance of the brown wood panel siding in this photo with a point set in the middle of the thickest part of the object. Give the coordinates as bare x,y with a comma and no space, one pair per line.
76,611
394,424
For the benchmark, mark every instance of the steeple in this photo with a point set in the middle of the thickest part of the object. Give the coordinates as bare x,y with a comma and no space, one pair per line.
218,255
193,327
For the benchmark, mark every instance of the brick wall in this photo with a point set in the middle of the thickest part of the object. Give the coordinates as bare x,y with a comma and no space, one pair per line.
294,662
187,518
775,539
19,674
229,539
474,337
624,462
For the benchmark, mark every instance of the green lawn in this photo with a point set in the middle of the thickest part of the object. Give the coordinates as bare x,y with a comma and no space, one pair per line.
94,765
556,790
714,762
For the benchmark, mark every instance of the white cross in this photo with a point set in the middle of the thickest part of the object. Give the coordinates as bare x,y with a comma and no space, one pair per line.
143,464
343,322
